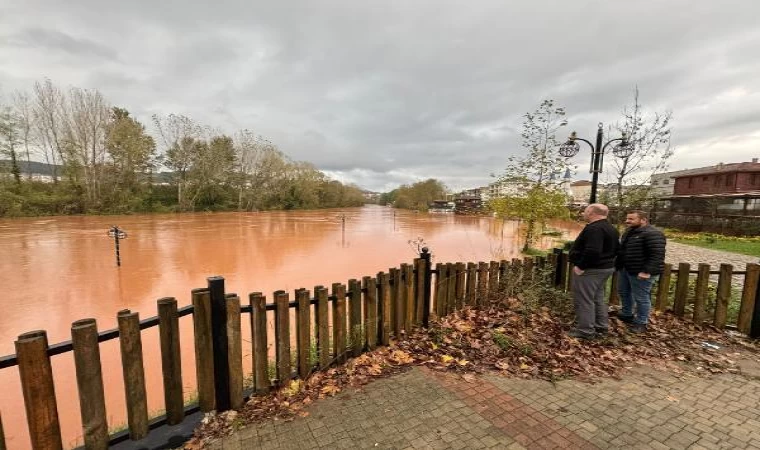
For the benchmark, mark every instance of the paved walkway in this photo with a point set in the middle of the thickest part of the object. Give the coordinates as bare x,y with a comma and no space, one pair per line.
423,409
678,253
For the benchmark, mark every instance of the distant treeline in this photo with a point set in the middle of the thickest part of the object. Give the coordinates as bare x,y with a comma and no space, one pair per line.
100,159
417,196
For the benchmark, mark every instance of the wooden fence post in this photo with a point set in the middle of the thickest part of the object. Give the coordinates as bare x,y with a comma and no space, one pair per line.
369,287
460,285
323,326
451,279
282,336
427,287
204,348
339,321
134,373
92,404
539,269
551,269
614,298
221,344
399,288
355,316
562,266
410,297
171,364
39,391
419,290
303,332
700,293
682,289
503,275
663,288
385,306
493,278
517,274
2,435
235,351
440,289
472,280
258,304
748,298
528,270
482,283
397,311
723,295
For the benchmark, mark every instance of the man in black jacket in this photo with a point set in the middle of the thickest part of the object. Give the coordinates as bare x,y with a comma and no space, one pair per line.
593,259
639,264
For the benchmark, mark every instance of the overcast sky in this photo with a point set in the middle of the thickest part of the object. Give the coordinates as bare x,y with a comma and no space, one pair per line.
388,92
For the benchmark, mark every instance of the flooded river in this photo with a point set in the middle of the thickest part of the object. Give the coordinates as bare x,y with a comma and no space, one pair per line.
54,271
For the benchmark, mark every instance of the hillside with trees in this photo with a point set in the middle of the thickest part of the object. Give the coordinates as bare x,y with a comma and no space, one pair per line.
99,159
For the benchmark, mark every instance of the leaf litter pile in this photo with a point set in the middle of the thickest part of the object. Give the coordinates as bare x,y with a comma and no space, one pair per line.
509,339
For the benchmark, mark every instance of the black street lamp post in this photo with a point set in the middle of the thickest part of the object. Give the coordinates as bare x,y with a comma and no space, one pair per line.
622,150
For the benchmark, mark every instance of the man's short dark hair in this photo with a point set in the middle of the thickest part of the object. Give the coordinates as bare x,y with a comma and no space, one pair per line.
642,214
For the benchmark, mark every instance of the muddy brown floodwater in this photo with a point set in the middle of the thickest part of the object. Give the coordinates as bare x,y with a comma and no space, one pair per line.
54,271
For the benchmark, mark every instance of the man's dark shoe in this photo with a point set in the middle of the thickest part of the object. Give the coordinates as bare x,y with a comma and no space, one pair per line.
637,328
625,319
602,332
575,333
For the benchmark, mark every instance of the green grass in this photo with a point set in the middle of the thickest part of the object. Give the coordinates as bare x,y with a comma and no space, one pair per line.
749,247
535,252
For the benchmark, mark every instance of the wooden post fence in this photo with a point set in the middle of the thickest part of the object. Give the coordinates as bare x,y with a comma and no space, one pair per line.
39,391
375,307
92,402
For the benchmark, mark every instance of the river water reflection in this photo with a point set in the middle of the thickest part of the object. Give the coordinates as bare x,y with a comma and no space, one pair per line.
57,270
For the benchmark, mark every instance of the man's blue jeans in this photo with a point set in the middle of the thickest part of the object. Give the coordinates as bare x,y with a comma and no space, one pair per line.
632,291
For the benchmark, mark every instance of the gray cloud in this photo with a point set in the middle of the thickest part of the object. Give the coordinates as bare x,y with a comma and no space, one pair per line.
55,42
393,92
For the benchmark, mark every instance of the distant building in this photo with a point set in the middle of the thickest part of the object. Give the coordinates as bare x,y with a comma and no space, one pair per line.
663,183
372,197
505,188
722,190
580,191
720,179
468,204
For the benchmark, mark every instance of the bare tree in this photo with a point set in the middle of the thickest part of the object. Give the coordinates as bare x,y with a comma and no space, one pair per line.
259,162
86,127
47,111
25,114
650,133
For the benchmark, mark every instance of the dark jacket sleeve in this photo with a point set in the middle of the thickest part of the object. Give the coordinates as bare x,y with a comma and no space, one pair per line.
593,248
654,241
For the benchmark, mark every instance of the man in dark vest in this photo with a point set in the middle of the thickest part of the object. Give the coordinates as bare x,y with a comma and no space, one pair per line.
639,264
593,258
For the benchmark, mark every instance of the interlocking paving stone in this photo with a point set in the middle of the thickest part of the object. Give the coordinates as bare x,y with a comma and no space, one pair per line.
426,409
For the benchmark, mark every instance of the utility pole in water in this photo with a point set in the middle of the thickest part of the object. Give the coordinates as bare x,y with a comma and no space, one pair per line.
116,233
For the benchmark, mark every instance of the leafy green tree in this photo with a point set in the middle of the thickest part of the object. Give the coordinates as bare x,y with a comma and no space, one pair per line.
533,172
537,206
132,159
417,196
